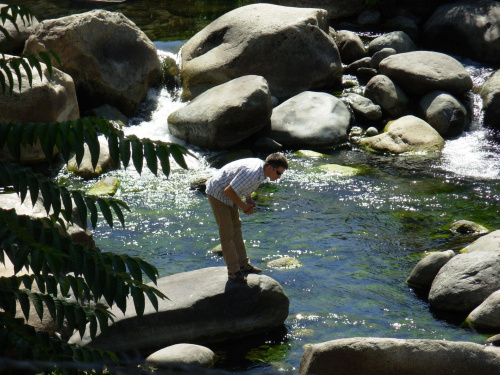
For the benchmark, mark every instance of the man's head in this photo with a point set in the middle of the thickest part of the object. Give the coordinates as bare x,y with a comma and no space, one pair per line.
274,166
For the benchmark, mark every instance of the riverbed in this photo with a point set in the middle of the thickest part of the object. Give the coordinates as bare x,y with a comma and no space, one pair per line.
357,238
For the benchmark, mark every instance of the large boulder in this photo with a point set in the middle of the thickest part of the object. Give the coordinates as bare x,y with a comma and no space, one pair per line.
18,33
37,211
425,271
466,28
488,242
310,120
490,93
444,113
48,98
388,95
265,40
420,72
202,307
486,316
224,115
350,46
465,282
388,356
110,59
407,134
398,40
364,109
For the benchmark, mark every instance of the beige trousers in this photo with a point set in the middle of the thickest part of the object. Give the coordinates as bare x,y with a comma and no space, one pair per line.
231,237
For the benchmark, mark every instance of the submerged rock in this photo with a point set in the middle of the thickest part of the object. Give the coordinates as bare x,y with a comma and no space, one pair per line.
284,263
202,307
341,170
107,186
467,227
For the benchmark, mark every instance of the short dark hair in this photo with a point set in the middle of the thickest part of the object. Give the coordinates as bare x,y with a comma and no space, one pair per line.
277,160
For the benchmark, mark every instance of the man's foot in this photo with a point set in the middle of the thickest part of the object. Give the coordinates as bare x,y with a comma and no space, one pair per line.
237,277
250,268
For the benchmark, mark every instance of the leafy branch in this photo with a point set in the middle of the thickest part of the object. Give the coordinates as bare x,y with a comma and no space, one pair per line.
14,63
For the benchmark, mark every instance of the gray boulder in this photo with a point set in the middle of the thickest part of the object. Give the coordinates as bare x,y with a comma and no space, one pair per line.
388,356
486,317
365,111
184,355
488,242
353,67
398,40
110,59
444,113
350,46
18,32
202,307
425,271
310,120
51,98
465,282
490,93
420,72
224,115
383,91
85,169
263,39
466,28
407,134
48,98
380,55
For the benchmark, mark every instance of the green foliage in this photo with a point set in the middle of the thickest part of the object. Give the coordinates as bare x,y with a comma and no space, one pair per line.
58,266
14,63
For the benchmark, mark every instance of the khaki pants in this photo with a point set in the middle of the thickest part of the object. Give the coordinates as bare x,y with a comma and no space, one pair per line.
231,237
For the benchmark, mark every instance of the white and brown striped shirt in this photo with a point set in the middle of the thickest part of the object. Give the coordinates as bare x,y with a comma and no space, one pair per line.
244,176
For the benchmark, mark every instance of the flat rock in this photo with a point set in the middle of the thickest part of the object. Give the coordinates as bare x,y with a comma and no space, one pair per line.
202,307
388,356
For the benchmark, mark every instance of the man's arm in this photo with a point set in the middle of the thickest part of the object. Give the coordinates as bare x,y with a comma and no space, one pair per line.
245,207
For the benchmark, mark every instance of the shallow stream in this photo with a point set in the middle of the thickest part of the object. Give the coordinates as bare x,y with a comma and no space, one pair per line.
357,238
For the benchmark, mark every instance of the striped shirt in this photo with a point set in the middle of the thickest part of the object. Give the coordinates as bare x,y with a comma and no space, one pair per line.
244,176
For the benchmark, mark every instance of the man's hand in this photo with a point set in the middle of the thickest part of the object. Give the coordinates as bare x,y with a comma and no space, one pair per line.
247,207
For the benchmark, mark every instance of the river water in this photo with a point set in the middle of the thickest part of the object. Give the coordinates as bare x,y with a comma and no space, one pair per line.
357,238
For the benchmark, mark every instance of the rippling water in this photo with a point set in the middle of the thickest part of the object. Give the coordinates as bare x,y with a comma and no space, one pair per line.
357,238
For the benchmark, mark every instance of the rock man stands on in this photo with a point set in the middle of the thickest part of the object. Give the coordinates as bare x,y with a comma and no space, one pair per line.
224,189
